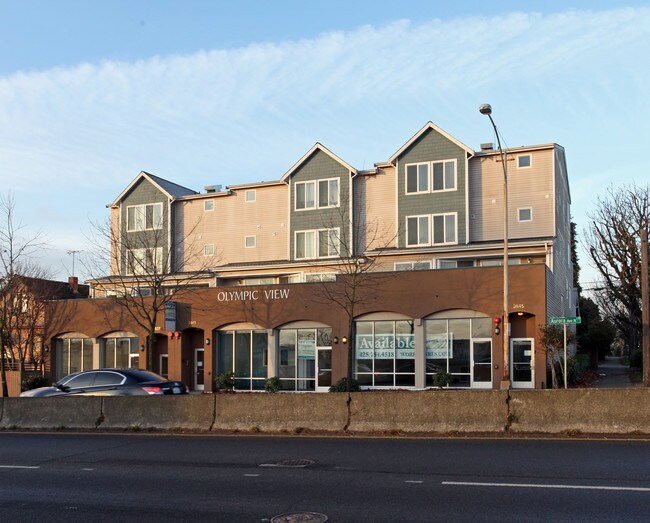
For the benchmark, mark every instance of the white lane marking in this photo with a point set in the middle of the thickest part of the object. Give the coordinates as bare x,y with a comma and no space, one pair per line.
17,467
87,469
533,485
413,481
252,475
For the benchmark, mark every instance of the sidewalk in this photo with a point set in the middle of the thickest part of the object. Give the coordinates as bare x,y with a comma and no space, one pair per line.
613,374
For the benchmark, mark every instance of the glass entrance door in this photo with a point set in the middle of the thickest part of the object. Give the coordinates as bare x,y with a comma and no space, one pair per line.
481,363
163,370
521,363
324,371
198,369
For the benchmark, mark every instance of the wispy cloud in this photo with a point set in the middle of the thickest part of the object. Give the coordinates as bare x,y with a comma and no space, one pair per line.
81,134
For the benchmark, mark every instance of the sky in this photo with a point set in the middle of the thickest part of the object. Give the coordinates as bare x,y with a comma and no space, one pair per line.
212,92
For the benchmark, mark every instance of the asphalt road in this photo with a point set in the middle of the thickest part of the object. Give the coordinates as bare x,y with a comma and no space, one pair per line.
142,477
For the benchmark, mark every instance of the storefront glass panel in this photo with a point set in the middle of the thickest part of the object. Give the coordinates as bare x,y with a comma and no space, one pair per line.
121,353
75,354
462,347
298,353
385,353
245,353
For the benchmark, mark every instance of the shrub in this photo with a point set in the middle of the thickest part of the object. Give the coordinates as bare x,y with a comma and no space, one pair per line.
225,381
272,384
34,382
441,379
342,386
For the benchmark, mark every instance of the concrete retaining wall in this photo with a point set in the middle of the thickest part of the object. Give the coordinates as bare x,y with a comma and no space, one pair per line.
192,412
429,411
281,412
78,413
604,411
597,411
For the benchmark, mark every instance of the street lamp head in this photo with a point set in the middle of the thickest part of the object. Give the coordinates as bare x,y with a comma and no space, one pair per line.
485,109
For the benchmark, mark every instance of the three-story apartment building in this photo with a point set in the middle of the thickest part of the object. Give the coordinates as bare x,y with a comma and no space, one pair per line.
265,257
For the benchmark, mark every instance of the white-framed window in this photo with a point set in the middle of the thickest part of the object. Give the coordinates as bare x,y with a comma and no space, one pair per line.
320,277
321,243
436,229
144,217
328,193
75,354
444,228
525,214
250,196
417,230
444,176
431,177
455,264
144,261
250,242
524,161
305,195
417,178
120,353
208,249
317,194
208,205
413,266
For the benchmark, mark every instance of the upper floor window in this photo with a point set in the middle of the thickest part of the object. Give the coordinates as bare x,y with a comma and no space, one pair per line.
524,161
144,261
431,177
144,217
413,266
250,241
320,277
436,229
525,214
317,193
208,205
251,196
208,249
323,243
417,178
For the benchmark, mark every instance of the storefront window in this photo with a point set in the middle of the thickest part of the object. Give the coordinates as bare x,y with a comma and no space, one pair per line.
246,354
385,353
76,354
298,355
121,353
461,347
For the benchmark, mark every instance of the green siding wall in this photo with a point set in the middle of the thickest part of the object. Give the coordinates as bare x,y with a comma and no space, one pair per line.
432,146
144,192
317,167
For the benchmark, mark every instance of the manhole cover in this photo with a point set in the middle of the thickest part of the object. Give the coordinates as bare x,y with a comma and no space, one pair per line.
290,463
299,516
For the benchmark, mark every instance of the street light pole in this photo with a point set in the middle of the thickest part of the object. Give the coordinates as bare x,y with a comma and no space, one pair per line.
486,109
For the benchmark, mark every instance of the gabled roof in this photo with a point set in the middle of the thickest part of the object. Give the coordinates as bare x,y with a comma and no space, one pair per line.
170,189
51,289
317,147
434,127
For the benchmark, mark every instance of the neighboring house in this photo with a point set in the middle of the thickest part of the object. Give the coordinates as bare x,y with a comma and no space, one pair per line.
429,219
26,319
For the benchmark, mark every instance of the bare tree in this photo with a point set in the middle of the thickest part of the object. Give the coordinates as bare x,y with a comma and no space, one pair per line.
142,274
552,339
355,254
17,247
613,241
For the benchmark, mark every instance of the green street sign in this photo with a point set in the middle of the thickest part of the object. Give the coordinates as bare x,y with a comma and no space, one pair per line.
564,321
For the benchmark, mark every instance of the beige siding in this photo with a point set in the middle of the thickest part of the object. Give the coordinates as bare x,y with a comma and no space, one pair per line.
531,187
232,219
381,209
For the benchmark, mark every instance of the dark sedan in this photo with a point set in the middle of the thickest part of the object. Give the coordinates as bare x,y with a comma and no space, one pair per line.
110,382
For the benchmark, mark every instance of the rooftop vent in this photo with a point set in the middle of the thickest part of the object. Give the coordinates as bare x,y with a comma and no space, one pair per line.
212,188
487,147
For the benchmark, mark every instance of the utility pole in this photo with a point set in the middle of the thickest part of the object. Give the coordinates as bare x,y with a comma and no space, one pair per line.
645,307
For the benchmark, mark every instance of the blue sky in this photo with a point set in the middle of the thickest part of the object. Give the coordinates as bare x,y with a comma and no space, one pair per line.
210,92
